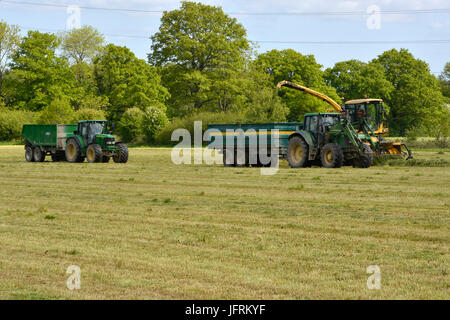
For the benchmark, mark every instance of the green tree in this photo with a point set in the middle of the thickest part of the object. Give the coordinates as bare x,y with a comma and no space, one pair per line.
154,119
417,100
202,52
59,111
444,81
9,43
354,79
302,69
39,76
81,45
127,81
131,124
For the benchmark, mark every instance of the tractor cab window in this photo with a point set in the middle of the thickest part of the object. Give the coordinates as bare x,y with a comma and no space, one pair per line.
329,121
96,128
313,124
373,115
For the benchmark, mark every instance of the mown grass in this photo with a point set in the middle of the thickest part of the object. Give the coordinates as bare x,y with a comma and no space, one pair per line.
153,230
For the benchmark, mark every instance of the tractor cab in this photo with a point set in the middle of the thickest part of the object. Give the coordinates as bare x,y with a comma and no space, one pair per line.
369,112
95,131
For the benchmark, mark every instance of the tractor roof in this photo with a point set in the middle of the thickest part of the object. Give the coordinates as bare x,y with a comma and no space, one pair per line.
358,101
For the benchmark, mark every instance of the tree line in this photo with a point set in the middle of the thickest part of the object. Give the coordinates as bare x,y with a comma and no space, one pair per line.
200,66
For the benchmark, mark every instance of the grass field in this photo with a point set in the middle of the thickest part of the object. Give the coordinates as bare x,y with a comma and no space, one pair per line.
153,230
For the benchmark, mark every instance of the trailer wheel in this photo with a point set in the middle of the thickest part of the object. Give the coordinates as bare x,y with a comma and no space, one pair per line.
38,155
29,154
121,155
227,162
73,150
297,152
332,156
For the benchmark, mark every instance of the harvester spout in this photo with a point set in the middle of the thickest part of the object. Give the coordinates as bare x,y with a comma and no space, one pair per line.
316,94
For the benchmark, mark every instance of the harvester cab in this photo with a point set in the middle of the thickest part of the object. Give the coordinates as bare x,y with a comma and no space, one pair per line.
367,117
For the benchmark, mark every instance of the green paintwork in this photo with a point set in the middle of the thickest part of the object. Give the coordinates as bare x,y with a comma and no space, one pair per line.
340,132
47,135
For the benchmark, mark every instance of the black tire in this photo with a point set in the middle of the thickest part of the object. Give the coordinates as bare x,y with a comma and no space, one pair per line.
57,157
106,159
94,153
363,162
29,157
241,158
73,150
366,160
38,155
297,152
331,156
228,162
121,155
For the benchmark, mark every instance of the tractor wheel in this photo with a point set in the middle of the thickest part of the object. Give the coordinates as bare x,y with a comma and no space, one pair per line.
38,155
332,156
227,162
297,152
106,159
94,153
29,154
121,155
363,162
73,150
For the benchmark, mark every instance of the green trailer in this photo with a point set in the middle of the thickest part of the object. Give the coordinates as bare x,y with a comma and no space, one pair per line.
73,142
324,139
43,139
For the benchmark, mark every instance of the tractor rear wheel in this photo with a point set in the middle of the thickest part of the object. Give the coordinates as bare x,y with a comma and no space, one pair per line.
121,155
94,153
38,155
297,152
332,156
73,150
29,154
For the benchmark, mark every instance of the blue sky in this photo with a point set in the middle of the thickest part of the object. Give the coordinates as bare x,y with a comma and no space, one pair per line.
132,29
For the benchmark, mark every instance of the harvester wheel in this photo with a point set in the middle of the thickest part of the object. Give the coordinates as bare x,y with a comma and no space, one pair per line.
73,150
106,159
94,153
332,156
38,155
29,154
297,152
121,155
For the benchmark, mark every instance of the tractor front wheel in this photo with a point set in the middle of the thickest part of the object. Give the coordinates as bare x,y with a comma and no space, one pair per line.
297,152
121,155
332,156
94,153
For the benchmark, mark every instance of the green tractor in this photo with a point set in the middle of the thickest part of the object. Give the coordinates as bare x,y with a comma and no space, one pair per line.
329,140
73,142
92,141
